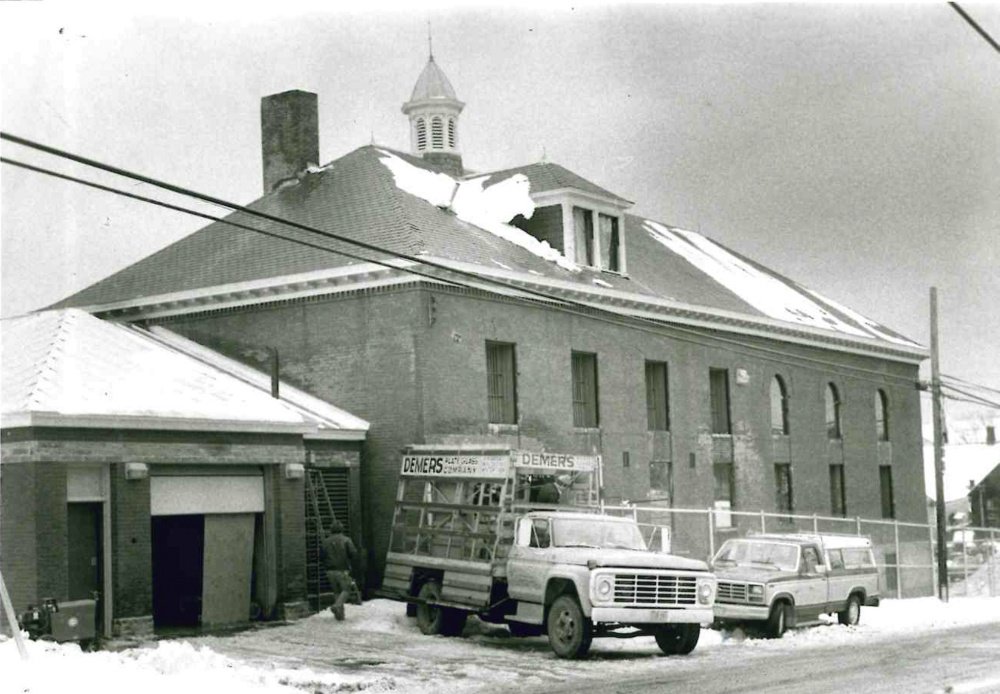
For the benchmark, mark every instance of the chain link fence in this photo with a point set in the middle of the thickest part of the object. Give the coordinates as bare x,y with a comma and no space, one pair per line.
905,552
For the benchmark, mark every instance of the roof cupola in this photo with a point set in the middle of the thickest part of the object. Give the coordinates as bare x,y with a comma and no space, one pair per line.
433,110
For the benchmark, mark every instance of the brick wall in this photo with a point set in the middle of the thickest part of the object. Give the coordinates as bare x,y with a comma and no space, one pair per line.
416,369
131,545
18,556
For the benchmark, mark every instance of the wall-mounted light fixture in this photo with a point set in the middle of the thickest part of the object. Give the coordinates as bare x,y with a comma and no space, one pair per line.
136,471
742,377
294,471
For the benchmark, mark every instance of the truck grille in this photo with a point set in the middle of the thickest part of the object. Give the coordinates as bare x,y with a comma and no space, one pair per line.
728,591
655,589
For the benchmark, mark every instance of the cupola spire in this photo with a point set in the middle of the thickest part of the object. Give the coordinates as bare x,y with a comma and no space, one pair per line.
433,110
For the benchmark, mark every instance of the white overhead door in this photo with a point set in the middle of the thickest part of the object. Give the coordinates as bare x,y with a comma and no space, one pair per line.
177,495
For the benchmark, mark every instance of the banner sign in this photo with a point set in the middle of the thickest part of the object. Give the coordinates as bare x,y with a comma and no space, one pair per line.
557,462
457,465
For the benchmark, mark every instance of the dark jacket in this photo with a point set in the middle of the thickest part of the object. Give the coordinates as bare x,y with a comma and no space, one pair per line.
337,552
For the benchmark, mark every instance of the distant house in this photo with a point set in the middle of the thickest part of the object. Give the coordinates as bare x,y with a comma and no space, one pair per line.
549,318
158,477
971,477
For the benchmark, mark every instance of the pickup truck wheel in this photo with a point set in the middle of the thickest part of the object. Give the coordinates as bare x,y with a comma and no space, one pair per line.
570,632
851,614
433,619
678,639
777,623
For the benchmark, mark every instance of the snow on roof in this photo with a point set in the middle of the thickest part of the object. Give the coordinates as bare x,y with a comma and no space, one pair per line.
965,465
68,366
488,208
767,293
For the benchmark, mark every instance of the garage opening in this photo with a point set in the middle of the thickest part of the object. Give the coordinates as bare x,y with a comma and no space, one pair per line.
178,554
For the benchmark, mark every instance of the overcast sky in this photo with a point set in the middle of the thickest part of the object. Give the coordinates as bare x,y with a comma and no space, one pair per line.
853,148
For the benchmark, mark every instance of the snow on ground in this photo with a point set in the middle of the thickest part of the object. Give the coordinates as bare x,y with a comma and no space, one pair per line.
378,649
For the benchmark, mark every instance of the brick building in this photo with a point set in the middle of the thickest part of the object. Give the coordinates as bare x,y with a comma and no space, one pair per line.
545,316
160,476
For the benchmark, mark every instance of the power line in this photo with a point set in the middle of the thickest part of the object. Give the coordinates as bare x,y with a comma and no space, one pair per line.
977,386
971,395
561,302
955,398
982,32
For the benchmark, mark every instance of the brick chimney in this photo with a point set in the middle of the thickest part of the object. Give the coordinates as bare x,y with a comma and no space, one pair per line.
289,135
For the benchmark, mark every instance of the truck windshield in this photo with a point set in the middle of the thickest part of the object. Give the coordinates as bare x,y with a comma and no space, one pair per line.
592,532
770,555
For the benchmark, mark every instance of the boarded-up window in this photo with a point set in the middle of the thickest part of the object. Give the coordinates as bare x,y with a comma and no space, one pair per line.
719,392
881,415
583,235
585,413
657,396
783,487
724,483
501,382
838,498
610,243
661,481
885,485
779,406
833,429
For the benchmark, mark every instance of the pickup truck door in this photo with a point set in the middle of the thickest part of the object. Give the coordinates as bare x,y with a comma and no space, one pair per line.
529,560
812,586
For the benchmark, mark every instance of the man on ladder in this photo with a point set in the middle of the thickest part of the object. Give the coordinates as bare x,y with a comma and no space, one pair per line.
338,554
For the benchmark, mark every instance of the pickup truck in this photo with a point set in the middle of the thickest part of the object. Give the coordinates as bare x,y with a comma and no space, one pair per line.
471,537
779,581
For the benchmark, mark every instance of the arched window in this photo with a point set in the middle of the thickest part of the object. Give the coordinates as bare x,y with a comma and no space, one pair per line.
833,429
437,133
881,415
779,406
451,133
421,135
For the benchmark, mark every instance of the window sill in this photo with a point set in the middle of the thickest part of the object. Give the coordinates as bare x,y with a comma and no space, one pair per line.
586,430
497,428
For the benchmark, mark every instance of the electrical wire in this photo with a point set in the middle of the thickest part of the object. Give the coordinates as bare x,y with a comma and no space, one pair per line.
977,386
982,32
972,395
673,331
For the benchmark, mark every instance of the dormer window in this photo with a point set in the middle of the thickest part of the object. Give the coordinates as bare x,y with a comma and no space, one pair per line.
598,246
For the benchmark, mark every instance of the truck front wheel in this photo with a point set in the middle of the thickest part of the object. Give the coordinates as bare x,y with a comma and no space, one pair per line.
434,619
777,623
570,632
678,639
851,614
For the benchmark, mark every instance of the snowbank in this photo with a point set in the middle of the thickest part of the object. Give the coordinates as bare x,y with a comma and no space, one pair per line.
379,649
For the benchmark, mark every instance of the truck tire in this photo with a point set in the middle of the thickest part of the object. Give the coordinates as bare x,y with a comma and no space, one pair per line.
433,619
777,622
570,632
851,614
678,639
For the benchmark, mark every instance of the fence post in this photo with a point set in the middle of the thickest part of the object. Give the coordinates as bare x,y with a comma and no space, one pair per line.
763,524
965,561
992,559
711,535
815,524
930,540
857,524
899,574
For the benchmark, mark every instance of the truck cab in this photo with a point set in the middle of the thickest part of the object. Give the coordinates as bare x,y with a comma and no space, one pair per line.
490,543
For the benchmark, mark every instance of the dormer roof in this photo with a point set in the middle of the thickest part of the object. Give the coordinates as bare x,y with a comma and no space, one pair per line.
548,176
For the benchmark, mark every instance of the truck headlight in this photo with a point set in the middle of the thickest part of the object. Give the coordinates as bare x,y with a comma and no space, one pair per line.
604,587
706,592
756,592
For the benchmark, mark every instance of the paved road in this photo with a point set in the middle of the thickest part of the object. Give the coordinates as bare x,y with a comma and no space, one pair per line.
954,660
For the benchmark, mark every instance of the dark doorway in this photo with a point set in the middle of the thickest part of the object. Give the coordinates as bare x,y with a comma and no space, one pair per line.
178,560
86,566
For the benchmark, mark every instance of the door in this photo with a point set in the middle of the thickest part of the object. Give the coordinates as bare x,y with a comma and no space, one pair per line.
529,560
811,598
84,536
178,555
228,567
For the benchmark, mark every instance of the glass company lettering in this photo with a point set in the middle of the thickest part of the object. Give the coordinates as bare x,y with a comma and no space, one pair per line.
471,465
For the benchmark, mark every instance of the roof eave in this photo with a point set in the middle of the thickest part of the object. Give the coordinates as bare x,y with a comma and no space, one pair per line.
20,420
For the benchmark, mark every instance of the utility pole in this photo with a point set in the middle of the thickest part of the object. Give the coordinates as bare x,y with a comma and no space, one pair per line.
942,550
